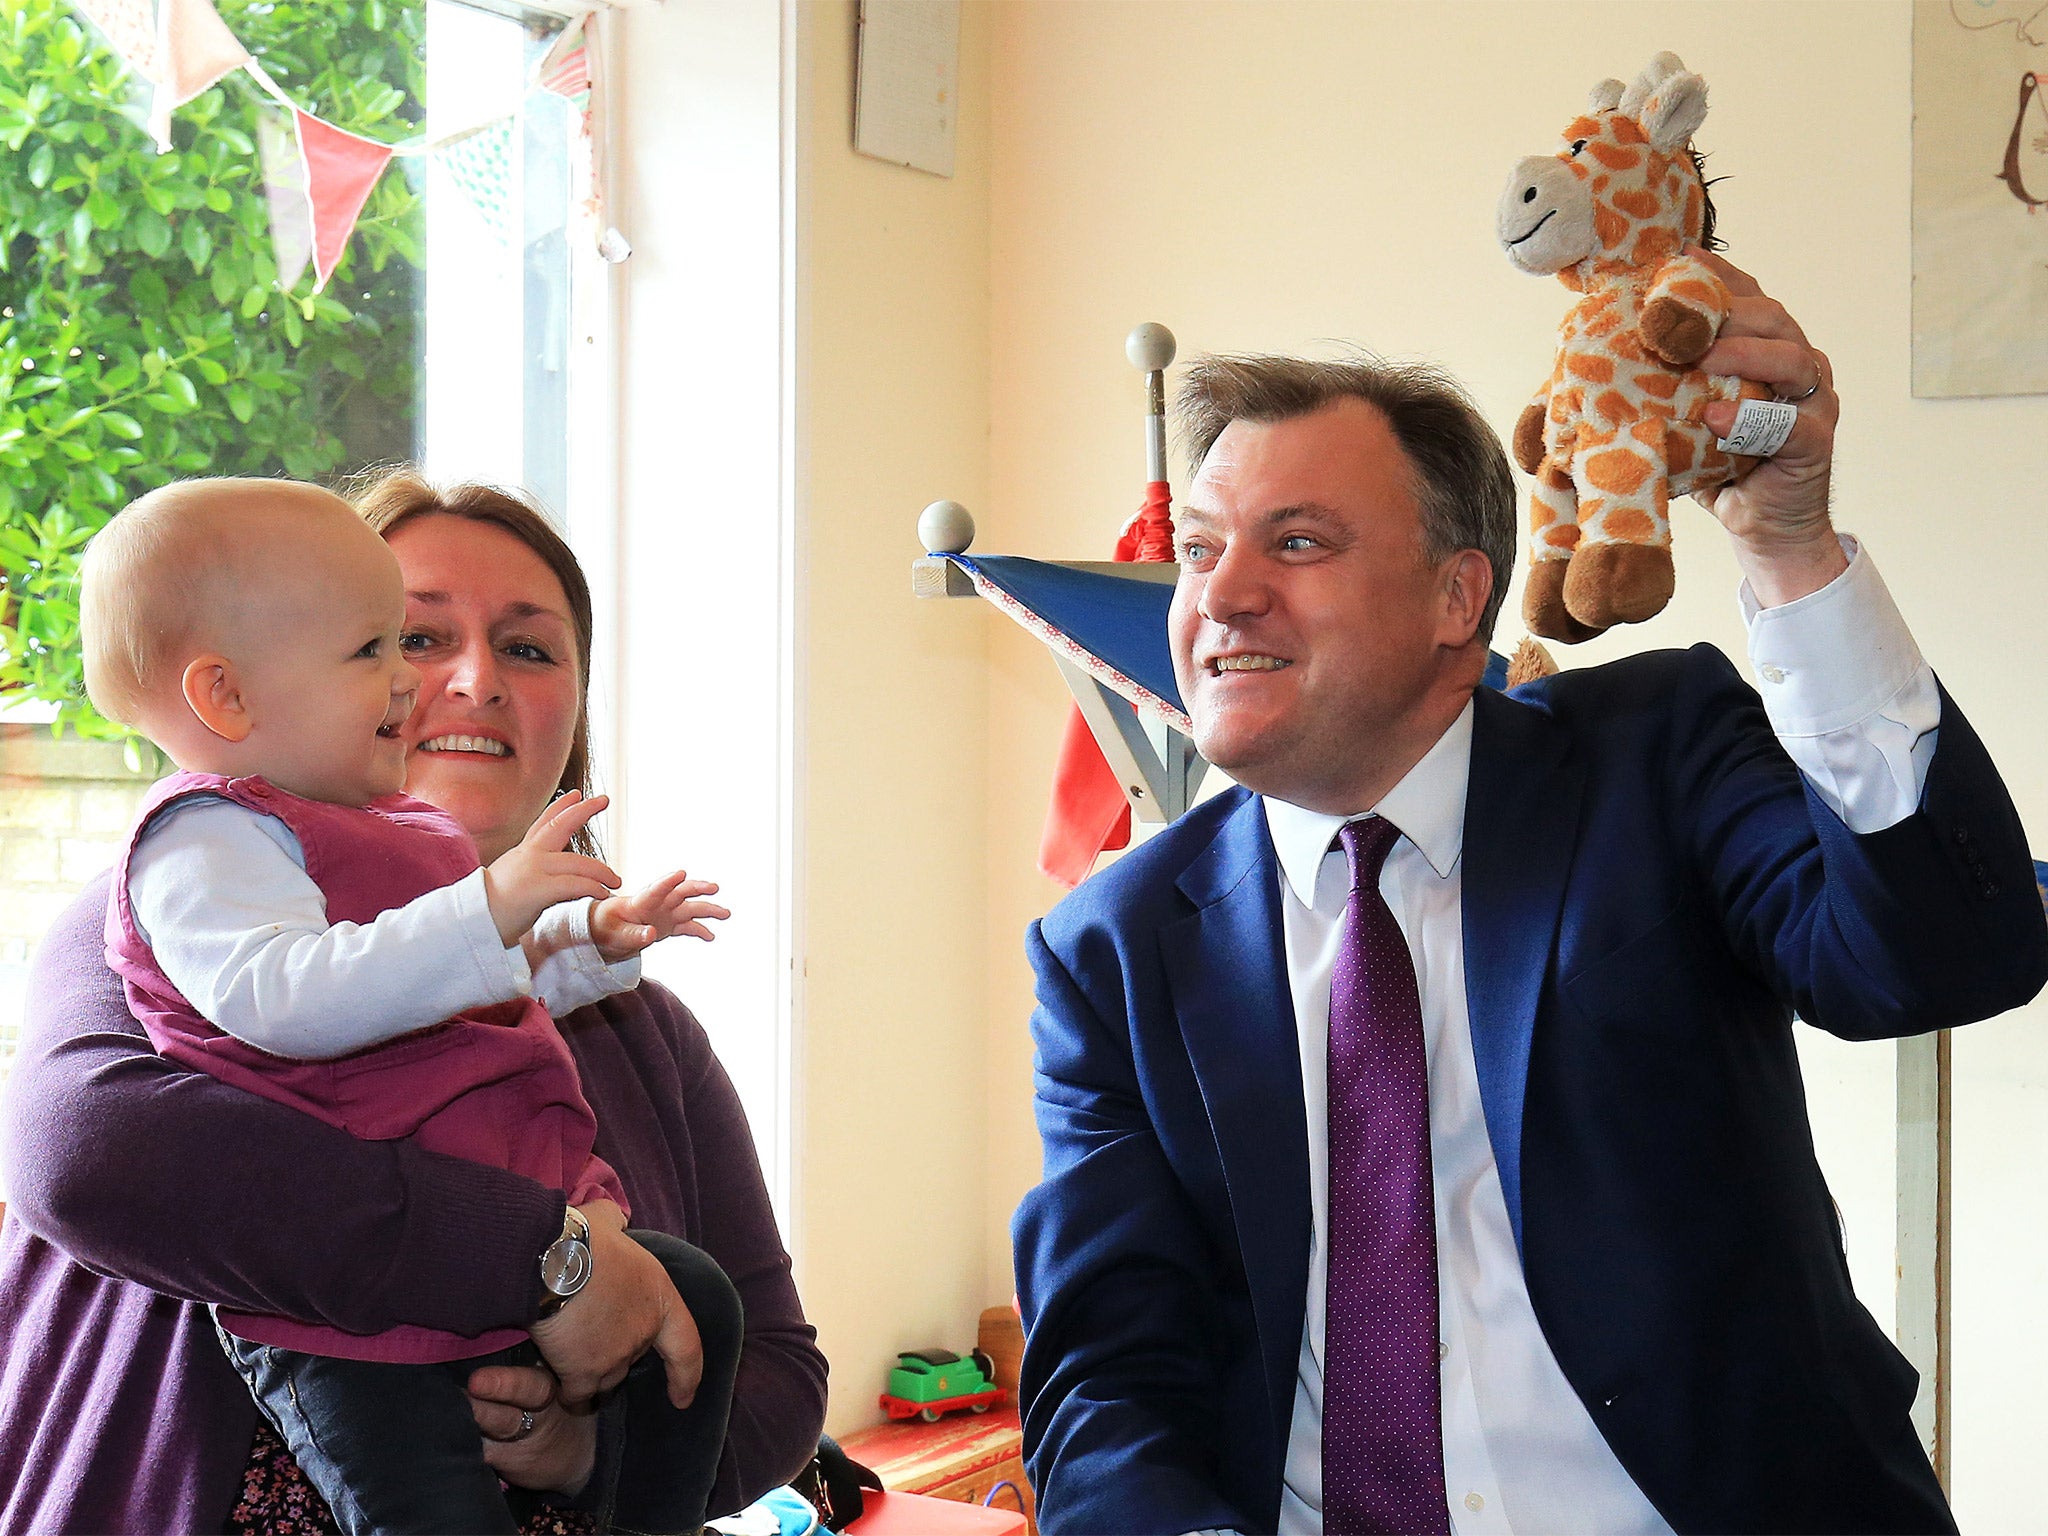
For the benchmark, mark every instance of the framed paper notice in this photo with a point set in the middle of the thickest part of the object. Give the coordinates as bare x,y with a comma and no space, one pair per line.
907,84
1980,197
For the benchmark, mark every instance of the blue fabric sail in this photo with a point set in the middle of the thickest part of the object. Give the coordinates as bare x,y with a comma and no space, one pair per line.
1118,621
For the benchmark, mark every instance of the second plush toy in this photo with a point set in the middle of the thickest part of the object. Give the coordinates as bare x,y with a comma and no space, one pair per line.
1616,432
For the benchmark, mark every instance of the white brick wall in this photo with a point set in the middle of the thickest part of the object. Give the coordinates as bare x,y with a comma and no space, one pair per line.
64,805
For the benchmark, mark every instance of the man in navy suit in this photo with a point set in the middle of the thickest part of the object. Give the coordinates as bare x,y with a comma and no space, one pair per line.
1616,887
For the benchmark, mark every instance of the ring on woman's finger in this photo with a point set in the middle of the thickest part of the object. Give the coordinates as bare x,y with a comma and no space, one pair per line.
525,1426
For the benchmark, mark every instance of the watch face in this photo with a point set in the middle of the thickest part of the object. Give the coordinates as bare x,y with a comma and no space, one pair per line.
565,1266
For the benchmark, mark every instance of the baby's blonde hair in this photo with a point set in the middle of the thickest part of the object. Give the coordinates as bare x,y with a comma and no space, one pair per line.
159,578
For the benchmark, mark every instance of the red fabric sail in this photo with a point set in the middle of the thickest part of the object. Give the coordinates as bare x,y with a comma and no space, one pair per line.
1088,814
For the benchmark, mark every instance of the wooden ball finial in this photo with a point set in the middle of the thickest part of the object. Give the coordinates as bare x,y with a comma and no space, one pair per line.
1150,347
946,528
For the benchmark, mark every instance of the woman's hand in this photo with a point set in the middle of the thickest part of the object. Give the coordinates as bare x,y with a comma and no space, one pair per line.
557,1454
1777,513
622,926
628,1306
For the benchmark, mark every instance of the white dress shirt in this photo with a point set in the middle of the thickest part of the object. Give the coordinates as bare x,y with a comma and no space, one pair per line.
1856,707
221,895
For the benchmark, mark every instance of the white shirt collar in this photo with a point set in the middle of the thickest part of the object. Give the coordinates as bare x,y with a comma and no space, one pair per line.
1428,805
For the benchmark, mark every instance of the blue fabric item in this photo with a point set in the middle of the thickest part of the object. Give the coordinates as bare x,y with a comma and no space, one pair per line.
790,1507
1119,621
791,1512
1122,622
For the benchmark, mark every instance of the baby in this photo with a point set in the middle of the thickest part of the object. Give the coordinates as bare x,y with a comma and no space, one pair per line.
288,921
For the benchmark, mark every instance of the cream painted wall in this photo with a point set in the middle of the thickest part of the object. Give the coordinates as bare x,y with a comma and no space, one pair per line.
892,399
1290,176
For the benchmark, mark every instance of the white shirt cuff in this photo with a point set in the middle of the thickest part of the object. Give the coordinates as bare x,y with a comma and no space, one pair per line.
1848,693
1835,657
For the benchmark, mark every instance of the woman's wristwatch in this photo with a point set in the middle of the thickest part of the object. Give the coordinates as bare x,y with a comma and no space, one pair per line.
565,1263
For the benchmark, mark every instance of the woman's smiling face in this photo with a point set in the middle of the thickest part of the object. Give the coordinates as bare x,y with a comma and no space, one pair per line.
488,626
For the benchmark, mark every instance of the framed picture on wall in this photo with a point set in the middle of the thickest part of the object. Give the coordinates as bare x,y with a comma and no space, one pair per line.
1980,197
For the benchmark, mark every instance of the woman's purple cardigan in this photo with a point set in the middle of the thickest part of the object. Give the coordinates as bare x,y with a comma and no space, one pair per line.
118,1411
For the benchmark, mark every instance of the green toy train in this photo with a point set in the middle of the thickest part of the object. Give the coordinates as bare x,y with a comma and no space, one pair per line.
933,1382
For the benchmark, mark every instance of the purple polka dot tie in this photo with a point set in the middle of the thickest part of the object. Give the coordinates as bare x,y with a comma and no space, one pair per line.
1383,1451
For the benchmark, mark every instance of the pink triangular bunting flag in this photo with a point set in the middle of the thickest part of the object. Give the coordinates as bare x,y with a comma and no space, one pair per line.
341,168
195,49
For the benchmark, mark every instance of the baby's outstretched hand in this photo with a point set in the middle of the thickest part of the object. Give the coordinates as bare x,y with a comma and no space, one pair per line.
622,926
541,872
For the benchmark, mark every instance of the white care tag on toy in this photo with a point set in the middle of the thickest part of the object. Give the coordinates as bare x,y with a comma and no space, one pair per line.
1761,427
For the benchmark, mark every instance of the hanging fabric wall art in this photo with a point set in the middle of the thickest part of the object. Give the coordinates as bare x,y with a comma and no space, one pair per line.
1980,197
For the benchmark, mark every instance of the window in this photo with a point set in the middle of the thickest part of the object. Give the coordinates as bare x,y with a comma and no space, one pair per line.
146,335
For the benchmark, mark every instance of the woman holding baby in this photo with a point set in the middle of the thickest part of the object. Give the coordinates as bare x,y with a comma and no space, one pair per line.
118,1410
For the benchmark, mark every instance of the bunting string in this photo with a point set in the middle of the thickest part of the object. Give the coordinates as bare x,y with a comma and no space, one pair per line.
316,176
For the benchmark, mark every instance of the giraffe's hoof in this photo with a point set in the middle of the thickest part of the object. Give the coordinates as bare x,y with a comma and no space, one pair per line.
1676,332
1617,584
1543,606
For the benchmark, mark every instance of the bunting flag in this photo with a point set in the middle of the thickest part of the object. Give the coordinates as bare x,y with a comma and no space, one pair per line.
480,163
284,189
341,168
570,69
194,50
564,70
129,26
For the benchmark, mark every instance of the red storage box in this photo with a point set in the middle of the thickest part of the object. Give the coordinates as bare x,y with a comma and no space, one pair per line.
917,1514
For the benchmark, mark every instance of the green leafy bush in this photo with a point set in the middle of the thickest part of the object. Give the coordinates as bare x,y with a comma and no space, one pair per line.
143,337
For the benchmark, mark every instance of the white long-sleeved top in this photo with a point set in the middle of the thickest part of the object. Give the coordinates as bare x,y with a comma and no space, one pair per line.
221,895
1856,707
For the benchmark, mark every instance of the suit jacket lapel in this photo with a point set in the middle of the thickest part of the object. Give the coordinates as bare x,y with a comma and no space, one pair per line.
1226,968
1521,826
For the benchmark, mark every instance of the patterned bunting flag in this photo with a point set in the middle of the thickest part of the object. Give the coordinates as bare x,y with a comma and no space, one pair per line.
564,70
480,163
129,26
341,168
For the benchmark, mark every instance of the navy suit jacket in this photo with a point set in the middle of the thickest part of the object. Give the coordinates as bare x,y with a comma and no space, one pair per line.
1650,891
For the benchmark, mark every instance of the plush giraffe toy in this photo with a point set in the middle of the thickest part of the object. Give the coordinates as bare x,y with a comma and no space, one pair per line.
1616,432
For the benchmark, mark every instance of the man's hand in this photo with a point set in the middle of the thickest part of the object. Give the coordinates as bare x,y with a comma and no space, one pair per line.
622,926
540,872
1777,513
557,1455
629,1304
